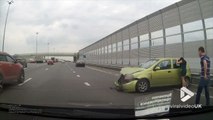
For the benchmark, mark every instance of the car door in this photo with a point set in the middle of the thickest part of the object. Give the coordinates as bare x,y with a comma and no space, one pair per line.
5,67
163,75
14,71
176,72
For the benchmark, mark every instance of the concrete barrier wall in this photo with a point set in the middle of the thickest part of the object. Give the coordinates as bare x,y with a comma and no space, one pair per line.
175,31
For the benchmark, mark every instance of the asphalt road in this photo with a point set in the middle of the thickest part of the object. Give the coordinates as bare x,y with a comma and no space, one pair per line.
65,85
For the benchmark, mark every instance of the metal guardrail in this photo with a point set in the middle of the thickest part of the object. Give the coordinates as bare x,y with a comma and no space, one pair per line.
195,76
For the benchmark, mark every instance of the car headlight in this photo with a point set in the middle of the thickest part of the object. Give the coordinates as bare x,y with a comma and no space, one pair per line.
129,77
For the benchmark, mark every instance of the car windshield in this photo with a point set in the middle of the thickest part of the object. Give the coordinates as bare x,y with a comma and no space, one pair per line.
149,63
106,56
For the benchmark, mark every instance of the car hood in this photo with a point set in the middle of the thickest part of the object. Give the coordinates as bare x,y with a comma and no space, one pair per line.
131,70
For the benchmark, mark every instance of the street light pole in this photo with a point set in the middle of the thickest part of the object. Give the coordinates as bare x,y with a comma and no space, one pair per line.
5,25
48,50
54,51
36,44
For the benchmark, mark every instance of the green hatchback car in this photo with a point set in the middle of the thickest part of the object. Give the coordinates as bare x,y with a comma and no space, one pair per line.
156,72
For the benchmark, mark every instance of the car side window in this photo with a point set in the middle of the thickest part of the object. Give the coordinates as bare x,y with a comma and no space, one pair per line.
175,65
9,59
3,58
166,64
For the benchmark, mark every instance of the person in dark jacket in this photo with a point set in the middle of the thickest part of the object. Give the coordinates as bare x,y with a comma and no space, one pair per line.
183,65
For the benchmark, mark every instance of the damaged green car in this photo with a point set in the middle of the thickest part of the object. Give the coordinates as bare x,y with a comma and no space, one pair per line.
157,72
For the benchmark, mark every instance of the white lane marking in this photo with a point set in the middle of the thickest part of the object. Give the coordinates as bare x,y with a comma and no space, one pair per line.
46,69
87,84
25,82
103,71
74,72
78,75
196,93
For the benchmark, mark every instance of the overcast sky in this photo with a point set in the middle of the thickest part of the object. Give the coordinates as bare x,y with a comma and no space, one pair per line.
68,25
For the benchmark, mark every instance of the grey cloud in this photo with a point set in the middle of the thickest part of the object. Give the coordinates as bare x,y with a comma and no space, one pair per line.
70,24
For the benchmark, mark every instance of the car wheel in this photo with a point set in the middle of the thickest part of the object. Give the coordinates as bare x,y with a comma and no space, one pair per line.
187,79
1,83
21,77
142,86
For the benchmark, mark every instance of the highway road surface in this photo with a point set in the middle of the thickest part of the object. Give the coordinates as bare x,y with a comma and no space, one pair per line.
64,85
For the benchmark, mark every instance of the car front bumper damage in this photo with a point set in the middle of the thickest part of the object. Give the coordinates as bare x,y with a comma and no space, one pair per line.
124,85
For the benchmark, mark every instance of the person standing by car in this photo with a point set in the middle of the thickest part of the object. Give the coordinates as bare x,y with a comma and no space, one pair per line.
183,65
205,76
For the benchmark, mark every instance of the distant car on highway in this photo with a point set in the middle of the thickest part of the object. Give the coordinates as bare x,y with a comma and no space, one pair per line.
10,70
50,62
39,59
80,63
154,73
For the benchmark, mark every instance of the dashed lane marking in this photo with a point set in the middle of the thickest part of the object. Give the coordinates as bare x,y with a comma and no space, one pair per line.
87,84
25,82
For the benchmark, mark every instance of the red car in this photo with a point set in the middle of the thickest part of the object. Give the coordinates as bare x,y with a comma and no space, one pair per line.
10,70
50,62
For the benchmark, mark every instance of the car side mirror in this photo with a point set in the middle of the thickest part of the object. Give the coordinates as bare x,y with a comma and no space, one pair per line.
157,68
15,61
